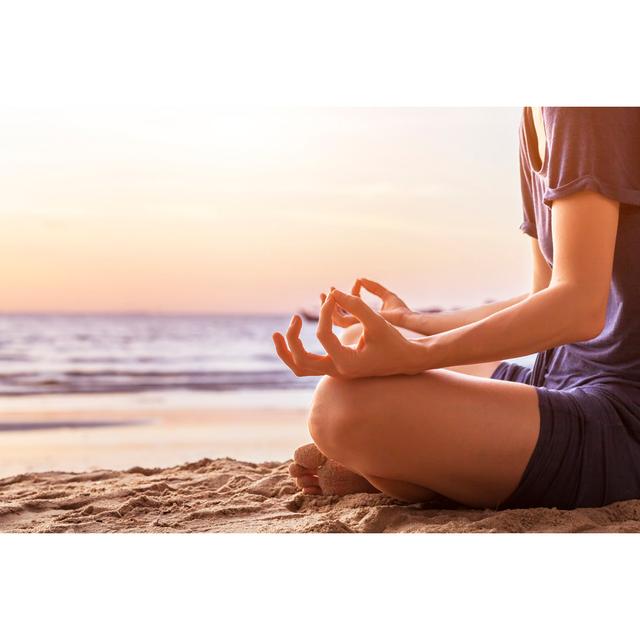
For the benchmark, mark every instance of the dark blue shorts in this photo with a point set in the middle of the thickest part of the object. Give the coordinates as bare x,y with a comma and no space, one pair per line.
588,450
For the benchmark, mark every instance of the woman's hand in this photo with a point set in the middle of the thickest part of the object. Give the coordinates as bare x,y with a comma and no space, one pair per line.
393,309
381,351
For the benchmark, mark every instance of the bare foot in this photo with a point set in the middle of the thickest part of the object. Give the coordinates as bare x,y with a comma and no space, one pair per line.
316,474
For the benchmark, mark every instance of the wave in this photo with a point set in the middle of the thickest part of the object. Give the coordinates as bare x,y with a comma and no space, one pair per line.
58,353
124,381
68,424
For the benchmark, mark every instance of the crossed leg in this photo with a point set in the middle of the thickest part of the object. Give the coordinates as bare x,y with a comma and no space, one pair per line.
460,435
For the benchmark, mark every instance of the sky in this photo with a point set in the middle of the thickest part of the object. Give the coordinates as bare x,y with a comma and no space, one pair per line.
256,210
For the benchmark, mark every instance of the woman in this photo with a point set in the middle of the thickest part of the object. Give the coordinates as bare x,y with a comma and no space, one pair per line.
442,414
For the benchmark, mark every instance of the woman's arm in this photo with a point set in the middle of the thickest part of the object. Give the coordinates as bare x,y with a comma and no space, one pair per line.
431,323
395,310
571,308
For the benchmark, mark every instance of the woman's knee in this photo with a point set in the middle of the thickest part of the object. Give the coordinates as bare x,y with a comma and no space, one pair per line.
335,418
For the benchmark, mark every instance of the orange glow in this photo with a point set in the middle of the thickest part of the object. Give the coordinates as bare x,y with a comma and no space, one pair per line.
257,210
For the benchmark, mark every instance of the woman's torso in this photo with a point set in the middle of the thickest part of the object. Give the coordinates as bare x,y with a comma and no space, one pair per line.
612,359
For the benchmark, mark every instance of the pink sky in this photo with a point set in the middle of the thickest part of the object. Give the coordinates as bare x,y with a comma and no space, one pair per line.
257,210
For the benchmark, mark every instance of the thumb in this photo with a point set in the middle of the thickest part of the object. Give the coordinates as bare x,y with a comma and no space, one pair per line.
357,307
376,288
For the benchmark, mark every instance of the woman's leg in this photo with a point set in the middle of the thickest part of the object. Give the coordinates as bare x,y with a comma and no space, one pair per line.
465,437
315,474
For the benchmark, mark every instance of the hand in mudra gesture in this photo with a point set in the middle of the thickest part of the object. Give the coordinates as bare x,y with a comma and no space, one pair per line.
381,350
393,309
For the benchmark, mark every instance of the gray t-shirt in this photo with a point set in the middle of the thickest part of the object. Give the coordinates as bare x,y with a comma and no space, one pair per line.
594,149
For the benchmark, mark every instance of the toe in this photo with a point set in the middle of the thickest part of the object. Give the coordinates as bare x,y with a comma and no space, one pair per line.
305,482
335,479
296,470
309,456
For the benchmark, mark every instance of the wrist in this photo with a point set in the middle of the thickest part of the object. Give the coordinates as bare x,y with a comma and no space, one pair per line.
420,356
413,321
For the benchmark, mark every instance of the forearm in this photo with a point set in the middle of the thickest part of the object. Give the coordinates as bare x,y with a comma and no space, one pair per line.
551,317
432,323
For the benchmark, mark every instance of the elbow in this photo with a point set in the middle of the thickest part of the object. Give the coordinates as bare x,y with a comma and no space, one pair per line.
584,312
590,325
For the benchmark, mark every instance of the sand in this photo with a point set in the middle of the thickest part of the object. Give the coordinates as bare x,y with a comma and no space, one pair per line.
150,436
225,495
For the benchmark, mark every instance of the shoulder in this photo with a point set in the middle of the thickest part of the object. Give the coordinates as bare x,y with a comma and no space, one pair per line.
586,122
593,148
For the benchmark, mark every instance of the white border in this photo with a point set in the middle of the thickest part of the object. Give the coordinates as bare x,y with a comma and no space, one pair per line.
245,586
147,54
140,55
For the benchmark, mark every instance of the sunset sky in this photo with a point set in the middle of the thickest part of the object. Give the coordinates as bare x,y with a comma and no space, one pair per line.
256,210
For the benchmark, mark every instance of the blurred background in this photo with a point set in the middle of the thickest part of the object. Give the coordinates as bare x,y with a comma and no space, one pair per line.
148,255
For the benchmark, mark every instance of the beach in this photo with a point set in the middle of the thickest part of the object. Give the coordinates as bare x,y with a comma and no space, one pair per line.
83,392
226,495
187,423
132,476
117,464
119,433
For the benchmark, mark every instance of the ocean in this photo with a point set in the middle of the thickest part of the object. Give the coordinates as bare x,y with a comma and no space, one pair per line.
84,392
227,355
115,391
94,354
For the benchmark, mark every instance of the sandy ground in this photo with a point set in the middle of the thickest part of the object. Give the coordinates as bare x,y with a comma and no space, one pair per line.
53,480
150,437
225,495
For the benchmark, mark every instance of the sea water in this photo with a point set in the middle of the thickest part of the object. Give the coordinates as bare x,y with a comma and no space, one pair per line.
74,354
227,360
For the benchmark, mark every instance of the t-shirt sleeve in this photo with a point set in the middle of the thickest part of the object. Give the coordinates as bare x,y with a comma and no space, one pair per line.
592,149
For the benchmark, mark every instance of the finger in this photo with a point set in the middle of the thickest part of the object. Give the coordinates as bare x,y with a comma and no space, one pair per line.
359,308
339,309
340,317
307,363
376,288
283,352
357,285
344,321
293,339
325,334
339,314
